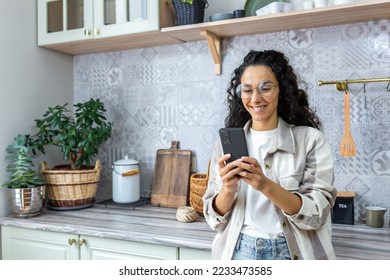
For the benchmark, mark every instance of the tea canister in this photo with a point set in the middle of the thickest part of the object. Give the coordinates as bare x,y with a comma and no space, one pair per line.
125,181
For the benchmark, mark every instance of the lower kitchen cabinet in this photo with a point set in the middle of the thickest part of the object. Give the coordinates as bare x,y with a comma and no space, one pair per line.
97,248
31,244
194,254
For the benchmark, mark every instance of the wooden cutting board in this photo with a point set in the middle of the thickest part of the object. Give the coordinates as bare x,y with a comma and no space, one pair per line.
170,186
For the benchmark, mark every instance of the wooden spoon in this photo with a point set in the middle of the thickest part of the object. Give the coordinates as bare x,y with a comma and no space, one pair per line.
347,147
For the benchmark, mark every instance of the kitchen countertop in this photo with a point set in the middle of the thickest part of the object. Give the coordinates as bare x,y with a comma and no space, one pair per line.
361,242
158,225
149,224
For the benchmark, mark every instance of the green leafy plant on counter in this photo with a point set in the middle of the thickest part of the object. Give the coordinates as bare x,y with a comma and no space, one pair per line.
79,138
20,165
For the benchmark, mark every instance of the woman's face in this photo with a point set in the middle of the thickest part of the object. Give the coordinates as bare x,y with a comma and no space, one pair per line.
263,109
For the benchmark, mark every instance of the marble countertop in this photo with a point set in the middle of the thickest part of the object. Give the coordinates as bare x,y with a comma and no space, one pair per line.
158,225
361,242
149,224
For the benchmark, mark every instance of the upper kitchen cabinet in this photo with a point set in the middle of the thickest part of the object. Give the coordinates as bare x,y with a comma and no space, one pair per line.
75,26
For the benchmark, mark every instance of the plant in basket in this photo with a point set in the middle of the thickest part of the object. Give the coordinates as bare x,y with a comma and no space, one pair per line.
79,139
189,11
27,187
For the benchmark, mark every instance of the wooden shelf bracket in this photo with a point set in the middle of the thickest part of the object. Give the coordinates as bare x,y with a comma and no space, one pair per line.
215,46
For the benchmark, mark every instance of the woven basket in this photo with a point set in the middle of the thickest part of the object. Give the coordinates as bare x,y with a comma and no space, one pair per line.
190,13
71,188
198,186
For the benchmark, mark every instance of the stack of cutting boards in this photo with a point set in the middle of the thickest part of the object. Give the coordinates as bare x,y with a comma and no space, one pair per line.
170,186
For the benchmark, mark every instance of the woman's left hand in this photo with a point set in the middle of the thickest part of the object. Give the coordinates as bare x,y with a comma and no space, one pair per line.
253,175
252,172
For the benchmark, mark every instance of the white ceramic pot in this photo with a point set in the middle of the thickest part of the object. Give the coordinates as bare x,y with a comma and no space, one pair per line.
298,4
125,181
320,3
342,2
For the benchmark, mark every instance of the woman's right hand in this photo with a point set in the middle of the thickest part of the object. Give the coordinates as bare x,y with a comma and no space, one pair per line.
229,175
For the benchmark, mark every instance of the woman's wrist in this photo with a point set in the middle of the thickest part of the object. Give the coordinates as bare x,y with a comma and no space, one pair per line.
228,191
223,201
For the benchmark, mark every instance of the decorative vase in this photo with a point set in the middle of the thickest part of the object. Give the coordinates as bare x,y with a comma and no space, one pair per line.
27,202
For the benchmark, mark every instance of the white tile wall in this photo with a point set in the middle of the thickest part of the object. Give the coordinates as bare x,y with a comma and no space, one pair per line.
160,94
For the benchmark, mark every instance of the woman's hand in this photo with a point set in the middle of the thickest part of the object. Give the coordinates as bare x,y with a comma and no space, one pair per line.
223,202
251,172
229,173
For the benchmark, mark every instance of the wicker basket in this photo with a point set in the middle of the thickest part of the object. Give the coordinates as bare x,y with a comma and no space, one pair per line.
198,186
71,188
190,13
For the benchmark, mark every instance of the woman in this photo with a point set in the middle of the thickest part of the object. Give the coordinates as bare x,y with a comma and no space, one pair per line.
276,203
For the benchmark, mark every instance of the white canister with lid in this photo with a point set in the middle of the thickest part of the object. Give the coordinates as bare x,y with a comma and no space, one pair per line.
125,181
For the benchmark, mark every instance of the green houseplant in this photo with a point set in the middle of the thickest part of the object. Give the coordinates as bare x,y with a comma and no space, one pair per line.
27,187
79,138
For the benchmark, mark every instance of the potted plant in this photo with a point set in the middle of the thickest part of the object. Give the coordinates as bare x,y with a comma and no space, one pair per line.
72,186
189,11
27,187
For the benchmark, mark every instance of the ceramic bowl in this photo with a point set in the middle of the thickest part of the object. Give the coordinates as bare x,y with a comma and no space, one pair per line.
221,16
274,8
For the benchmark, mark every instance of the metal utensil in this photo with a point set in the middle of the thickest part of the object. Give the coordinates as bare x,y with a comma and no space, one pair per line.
347,147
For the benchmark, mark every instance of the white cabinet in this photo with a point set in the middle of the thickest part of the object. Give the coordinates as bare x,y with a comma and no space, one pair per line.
31,244
109,249
61,21
28,244
194,254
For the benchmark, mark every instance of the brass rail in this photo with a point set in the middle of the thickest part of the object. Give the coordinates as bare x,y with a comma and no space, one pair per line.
341,85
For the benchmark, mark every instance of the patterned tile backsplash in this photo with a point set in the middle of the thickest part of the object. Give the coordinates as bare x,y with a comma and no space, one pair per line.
167,93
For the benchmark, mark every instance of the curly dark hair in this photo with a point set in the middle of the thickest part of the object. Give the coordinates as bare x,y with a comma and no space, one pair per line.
293,104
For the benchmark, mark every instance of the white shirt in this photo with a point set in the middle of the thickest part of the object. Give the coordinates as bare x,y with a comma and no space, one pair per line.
260,216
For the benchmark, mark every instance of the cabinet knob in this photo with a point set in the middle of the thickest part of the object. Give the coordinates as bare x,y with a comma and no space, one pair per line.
87,32
72,241
81,241
96,31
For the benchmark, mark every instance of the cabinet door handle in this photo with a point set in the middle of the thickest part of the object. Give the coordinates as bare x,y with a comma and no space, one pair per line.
81,241
72,241
87,32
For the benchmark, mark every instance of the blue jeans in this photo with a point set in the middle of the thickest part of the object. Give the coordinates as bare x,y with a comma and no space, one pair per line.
252,248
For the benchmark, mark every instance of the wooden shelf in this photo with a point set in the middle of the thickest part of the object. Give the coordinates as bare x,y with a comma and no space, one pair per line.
334,15
118,43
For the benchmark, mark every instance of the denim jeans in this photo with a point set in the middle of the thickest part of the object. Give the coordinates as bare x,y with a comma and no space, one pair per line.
252,248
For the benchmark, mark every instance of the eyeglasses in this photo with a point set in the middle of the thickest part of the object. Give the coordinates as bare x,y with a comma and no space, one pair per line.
264,88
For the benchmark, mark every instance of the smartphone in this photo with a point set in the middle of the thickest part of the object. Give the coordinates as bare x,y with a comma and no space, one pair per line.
233,142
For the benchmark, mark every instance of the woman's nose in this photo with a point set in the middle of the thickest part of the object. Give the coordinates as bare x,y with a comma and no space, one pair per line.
256,95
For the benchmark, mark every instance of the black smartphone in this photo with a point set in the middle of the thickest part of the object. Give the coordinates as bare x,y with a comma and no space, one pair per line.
233,142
